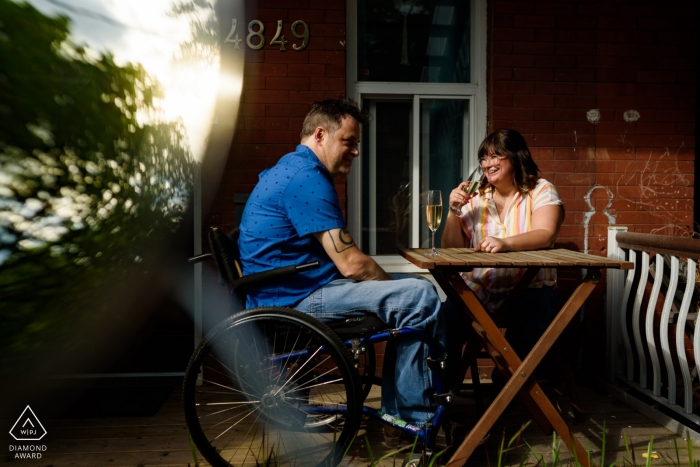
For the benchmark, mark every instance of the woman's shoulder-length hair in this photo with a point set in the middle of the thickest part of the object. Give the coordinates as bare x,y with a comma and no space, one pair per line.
512,145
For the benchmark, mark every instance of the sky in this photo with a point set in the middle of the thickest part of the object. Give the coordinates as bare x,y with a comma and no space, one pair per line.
141,31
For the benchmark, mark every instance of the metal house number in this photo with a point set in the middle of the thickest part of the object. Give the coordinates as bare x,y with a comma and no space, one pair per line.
256,37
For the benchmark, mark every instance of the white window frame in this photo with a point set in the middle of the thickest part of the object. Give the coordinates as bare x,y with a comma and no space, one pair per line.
474,92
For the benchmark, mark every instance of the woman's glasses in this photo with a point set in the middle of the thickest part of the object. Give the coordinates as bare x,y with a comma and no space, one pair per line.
491,159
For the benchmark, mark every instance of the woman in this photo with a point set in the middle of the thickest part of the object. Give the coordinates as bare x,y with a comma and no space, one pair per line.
513,210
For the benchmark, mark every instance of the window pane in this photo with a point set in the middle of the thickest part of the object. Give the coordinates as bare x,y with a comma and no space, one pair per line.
414,41
385,179
443,125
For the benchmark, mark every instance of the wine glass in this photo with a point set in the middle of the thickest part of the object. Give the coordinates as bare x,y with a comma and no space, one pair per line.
433,211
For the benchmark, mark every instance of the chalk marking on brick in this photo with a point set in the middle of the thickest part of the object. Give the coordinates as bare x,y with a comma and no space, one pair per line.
587,216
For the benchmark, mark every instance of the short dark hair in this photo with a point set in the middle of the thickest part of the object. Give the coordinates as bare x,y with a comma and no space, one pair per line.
512,145
329,113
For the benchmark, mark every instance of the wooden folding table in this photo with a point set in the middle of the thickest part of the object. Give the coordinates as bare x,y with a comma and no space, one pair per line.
446,268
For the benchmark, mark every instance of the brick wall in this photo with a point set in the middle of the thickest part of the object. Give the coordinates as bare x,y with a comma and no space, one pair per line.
277,90
550,63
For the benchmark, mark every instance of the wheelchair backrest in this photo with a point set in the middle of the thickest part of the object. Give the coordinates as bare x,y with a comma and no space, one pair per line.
224,250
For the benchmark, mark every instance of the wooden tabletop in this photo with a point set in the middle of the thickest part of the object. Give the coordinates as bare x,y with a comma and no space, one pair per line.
467,258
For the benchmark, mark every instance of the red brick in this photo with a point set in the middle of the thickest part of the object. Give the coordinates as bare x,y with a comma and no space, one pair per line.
533,74
265,69
328,84
502,8
579,102
512,60
501,74
288,83
534,127
512,87
502,100
335,71
326,4
505,113
612,76
575,75
554,140
554,114
254,82
514,34
269,17
539,21
286,110
664,76
533,101
266,123
304,69
575,48
555,87
288,137
502,47
249,136
576,22
335,16
306,97
289,56
616,179
535,48
327,58
655,128
546,35
609,128
502,20
555,61
334,44
542,153
585,179
307,16
327,30
556,166
265,96
252,110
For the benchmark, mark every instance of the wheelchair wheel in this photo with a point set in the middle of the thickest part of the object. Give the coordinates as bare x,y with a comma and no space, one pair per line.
272,386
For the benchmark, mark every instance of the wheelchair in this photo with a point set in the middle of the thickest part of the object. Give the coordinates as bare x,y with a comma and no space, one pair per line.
274,386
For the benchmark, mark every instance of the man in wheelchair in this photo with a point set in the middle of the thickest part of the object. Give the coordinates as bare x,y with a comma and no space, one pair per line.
294,216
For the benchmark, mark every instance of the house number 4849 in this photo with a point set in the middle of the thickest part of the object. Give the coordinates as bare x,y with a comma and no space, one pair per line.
256,37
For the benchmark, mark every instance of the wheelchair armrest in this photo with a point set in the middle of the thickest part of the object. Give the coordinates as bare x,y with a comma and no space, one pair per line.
272,274
200,258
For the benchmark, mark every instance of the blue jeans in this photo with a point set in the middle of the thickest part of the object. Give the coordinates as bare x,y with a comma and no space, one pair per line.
408,302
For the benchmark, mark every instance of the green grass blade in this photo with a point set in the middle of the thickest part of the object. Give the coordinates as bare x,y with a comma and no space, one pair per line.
369,451
500,449
678,455
194,451
690,451
435,458
602,448
651,442
534,453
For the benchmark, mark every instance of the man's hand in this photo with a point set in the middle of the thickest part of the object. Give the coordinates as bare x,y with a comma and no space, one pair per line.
349,260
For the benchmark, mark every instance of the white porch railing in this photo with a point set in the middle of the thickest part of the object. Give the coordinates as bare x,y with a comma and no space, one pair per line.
646,343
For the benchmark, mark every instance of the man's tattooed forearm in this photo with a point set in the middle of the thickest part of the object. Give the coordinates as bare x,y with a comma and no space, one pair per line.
343,241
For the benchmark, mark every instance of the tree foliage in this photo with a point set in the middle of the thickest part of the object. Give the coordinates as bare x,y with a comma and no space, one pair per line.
90,178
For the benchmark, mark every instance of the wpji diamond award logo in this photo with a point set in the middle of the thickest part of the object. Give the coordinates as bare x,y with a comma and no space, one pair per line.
28,428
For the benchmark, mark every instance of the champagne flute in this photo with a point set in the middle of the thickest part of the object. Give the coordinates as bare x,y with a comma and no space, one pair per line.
433,211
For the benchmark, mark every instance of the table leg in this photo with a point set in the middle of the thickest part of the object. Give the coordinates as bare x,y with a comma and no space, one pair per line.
455,287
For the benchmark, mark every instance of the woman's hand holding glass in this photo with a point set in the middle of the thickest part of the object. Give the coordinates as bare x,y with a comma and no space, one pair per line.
460,195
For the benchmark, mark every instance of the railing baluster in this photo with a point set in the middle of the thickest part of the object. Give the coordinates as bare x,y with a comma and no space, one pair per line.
651,344
663,331
680,333
623,315
636,320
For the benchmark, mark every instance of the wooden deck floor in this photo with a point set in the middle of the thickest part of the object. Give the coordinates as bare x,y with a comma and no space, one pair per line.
162,440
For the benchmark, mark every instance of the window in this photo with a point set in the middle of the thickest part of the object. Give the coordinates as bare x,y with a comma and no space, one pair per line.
419,69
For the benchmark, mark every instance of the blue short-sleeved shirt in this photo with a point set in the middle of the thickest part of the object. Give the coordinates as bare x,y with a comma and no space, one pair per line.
292,200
